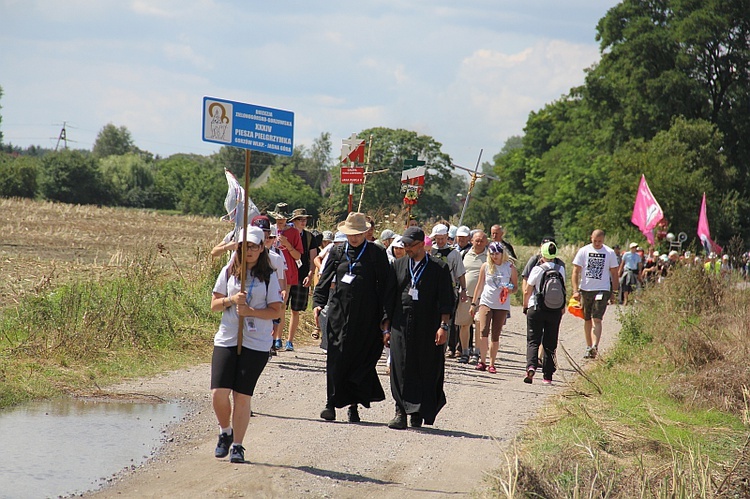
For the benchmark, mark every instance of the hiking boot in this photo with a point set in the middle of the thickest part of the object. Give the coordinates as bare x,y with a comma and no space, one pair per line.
354,414
329,413
399,420
222,448
277,344
474,359
289,347
464,359
238,454
529,375
416,420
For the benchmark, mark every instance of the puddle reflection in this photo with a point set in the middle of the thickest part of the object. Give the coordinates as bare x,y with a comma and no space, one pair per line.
67,446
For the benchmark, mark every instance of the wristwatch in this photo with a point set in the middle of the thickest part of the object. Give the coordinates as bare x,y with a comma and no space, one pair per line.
444,326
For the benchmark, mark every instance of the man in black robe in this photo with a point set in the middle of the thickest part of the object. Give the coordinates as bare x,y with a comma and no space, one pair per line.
357,317
419,330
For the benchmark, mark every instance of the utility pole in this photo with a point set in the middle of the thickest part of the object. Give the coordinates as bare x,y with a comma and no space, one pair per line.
63,136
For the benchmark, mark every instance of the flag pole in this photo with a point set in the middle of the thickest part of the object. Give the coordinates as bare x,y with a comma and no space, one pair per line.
471,187
243,269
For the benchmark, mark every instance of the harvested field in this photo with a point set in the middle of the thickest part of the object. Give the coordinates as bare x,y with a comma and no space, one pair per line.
44,242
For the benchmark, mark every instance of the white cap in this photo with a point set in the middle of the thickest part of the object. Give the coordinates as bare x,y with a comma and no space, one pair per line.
254,235
452,231
463,231
387,234
439,230
397,242
633,245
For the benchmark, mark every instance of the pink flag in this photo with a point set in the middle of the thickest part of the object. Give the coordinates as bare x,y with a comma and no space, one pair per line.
646,212
704,233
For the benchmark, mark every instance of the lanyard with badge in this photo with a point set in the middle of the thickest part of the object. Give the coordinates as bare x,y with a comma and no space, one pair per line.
250,321
349,276
416,273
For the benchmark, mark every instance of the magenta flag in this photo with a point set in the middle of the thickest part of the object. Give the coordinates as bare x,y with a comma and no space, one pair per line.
704,233
646,212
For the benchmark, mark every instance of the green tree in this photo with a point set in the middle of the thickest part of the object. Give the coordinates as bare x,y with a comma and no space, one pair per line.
191,184
129,179
113,141
284,185
18,176
233,159
72,177
390,148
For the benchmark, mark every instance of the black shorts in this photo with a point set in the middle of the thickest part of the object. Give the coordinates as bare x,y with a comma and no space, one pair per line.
297,298
239,373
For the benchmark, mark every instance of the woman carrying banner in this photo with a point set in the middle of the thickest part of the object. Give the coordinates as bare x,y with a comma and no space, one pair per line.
233,375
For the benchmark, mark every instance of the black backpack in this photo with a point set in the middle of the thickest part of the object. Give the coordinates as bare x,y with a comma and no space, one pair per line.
551,295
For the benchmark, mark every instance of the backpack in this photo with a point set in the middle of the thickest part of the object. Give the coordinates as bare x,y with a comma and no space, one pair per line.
551,295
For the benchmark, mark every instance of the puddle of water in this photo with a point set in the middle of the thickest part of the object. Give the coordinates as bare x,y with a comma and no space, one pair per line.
67,446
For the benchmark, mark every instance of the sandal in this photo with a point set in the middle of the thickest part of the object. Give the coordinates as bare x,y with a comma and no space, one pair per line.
492,370
481,366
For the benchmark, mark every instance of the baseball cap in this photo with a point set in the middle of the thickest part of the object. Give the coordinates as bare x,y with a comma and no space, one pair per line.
463,231
439,230
254,235
387,234
413,234
633,245
261,221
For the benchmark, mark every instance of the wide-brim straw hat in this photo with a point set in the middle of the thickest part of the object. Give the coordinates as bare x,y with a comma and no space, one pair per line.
355,223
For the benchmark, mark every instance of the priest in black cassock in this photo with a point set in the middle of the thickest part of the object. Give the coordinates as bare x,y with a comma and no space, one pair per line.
419,330
364,284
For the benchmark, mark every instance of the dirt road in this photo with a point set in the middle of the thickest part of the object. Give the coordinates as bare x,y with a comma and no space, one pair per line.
291,452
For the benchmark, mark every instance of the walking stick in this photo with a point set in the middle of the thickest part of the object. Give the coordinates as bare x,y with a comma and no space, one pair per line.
243,269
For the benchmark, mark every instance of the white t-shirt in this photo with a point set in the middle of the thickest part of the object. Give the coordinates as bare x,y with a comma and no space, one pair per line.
278,262
535,278
493,284
596,265
257,334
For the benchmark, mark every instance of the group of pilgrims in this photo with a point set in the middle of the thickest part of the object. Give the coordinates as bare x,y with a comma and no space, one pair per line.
408,294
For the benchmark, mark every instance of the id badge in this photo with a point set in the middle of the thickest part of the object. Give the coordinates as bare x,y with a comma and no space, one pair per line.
348,278
414,293
599,297
250,324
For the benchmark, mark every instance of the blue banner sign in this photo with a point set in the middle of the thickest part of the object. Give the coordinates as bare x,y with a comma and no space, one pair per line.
248,126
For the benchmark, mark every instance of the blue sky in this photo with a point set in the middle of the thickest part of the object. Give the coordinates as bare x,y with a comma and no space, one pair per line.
466,73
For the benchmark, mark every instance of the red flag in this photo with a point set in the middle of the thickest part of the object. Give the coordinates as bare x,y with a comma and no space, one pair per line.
704,233
646,213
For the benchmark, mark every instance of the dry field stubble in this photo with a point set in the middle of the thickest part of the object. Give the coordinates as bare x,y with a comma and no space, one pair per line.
43,242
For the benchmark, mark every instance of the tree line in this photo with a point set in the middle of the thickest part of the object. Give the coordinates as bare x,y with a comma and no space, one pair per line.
669,98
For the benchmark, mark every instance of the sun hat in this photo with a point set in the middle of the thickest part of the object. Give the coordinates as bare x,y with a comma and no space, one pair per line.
439,230
549,250
411,235
452,231
254,235
299,213
463,231
355,223
327,235
496,248
387,234
280,211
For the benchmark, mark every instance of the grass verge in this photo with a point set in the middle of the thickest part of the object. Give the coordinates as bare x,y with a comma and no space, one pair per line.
665,414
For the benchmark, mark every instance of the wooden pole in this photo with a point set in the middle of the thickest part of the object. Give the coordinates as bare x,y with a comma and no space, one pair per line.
362,193
243,269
